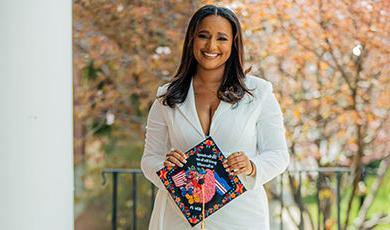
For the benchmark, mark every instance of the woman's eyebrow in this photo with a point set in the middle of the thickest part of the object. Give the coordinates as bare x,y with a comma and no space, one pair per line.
223,34
219,33
204,31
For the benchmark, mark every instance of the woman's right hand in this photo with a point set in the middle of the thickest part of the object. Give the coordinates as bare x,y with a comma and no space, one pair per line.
175,157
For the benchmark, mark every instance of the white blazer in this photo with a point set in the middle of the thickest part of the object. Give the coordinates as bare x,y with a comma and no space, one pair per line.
254,125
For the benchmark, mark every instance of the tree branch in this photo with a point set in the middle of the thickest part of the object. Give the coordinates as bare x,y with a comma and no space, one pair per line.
384,165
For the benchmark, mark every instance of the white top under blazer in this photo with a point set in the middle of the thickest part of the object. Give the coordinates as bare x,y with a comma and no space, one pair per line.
254,125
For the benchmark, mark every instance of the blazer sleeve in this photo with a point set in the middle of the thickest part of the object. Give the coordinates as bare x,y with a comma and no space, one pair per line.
156,144
272,157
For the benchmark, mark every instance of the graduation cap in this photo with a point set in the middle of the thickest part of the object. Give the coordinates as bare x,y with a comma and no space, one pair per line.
202,186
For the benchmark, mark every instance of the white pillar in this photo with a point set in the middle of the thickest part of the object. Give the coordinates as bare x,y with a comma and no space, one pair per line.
36,168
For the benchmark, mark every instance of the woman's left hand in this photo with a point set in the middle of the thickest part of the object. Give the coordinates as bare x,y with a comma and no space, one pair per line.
238,163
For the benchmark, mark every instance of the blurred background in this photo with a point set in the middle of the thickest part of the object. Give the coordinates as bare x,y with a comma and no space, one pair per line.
328,61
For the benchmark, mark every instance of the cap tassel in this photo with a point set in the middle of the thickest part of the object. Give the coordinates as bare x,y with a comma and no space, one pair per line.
202,226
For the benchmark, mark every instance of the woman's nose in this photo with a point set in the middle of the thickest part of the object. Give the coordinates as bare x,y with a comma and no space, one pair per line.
211,45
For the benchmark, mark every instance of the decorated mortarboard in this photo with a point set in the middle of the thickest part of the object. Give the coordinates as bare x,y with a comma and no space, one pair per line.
202,186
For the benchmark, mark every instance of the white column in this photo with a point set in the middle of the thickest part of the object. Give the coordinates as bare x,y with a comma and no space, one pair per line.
36,168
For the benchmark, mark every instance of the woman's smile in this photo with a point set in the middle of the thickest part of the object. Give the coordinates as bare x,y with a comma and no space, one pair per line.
210,55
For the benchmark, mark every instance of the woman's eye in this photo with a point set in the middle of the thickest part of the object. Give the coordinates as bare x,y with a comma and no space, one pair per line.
222,39
202,36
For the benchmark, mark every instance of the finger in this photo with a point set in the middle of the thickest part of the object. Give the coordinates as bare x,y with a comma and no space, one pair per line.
228,163
175,153
167,163
178,151
174,161
179,157
231,159
182,154
231,168
237,167
239,164
234,172
225,164
171,152
239,171
236,155
235,160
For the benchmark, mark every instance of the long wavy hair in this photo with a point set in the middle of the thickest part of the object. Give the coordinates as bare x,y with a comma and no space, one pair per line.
232,88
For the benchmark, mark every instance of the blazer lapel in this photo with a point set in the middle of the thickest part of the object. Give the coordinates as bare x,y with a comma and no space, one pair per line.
222,108
188,109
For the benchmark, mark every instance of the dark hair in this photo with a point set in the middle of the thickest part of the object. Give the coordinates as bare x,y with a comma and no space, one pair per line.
232,88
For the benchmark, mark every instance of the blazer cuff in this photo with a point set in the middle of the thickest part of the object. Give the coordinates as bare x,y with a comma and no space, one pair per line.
266,169
150,167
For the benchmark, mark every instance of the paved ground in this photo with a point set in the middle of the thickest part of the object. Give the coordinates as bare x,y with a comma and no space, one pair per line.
93,218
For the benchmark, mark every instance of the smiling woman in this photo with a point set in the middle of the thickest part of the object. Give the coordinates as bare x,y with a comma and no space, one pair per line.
211,96
213,41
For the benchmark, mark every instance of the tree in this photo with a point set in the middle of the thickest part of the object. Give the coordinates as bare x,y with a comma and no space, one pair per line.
122,51
329,62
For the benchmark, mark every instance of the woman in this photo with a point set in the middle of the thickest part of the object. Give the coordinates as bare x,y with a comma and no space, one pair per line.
210,95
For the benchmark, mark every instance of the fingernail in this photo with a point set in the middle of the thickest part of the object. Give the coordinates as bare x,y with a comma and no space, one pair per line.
185,161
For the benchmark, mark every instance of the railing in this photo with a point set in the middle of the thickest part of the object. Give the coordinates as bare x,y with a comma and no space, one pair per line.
329,170
338,172
115,173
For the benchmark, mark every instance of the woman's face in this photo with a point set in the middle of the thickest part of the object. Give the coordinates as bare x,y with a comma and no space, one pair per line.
213,42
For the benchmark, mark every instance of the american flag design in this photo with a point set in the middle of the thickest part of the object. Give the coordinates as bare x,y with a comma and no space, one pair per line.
179,178
220,184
